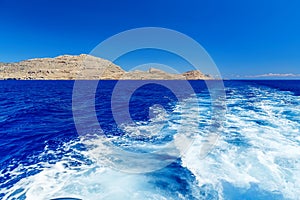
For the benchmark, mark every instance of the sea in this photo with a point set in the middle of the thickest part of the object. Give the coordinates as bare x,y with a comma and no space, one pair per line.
255,153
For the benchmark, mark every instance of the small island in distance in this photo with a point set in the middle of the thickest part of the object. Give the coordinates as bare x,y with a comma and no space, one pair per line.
85,67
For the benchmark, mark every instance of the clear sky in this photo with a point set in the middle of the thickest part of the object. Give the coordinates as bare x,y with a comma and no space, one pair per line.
244,37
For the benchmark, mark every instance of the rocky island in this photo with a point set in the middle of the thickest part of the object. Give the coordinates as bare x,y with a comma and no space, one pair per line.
85,67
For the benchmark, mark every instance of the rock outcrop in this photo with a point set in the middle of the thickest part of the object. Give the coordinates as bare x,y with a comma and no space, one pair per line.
86,67
195,74
153,74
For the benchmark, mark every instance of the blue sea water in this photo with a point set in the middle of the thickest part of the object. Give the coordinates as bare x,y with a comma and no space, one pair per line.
257,155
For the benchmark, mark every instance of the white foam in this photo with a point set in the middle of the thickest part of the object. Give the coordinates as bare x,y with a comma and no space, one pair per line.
95,179
271,157
86,181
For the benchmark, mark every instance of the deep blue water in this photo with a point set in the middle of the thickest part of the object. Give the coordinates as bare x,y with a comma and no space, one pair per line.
257,155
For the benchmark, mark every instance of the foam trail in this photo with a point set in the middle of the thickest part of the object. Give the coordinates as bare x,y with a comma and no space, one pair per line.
85,173
84,180
257,155
259,147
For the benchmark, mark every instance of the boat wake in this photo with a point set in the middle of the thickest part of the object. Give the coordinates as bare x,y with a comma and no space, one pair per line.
257,156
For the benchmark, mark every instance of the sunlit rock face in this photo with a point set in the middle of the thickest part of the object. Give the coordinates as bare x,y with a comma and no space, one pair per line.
67,67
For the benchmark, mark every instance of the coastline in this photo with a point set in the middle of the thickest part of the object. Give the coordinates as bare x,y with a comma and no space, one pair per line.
85,67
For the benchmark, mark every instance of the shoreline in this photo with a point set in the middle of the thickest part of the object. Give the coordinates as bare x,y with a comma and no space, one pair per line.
70,67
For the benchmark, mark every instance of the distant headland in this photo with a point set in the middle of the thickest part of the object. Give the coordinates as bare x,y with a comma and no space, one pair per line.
85,67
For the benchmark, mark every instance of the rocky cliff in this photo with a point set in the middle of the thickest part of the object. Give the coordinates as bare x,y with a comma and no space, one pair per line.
84,67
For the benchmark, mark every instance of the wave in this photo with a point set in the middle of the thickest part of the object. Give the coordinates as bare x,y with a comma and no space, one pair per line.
257,156
84,168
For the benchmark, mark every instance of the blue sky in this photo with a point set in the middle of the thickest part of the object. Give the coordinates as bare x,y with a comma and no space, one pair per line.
245,38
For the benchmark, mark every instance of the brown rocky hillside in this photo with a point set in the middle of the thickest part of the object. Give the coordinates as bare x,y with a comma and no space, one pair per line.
84,66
